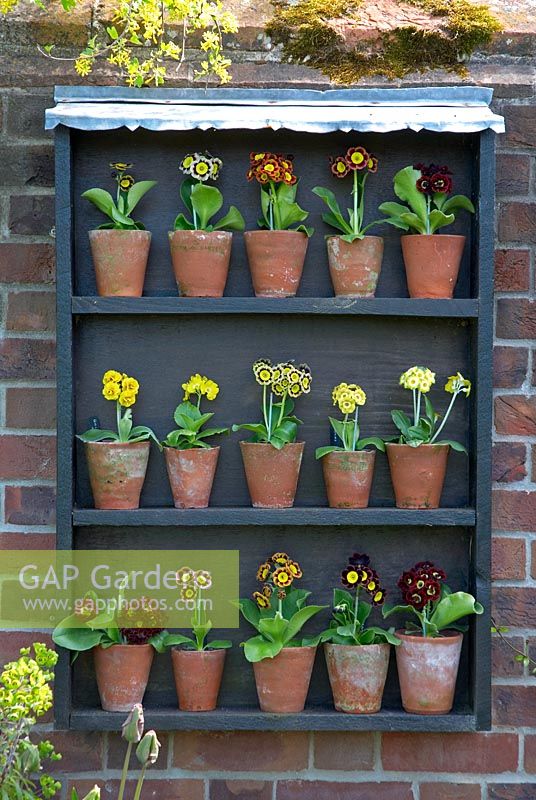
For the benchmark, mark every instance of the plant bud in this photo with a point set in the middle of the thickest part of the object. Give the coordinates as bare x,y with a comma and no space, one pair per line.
94,794
133,725
148,749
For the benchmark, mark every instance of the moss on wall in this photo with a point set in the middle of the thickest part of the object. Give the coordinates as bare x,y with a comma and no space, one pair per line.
307,37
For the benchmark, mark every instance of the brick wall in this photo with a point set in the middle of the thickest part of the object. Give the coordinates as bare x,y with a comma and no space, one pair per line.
500,765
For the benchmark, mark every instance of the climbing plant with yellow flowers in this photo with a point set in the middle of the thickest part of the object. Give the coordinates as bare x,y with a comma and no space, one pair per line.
123,390
147,40
190,419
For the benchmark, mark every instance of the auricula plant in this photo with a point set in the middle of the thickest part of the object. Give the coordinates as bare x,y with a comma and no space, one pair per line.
424,427
122,390
349,397
279,184
189,418
203,201
128,194
358,163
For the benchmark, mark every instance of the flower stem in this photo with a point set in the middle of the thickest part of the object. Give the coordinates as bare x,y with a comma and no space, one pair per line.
124,773
137,793
355,193
264,411
445,418
414,407
118,416
428,204
281,413
354,435
274,207
356,609
418,412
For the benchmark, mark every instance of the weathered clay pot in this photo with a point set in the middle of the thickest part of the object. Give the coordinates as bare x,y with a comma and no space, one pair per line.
272,475
191,475
348,477
200,261
117,472
120,260
283,682
357,676
276,261
427,671
197,676
122,672
417,473
355,266
432,263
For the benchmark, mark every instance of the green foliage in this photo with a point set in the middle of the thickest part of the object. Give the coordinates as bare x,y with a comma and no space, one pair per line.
203,202
305,30
353,227
127,432
119,212
348,432
440,615
190,433
198,641
282,430
280,210
25,696
423,430
278,628
349,622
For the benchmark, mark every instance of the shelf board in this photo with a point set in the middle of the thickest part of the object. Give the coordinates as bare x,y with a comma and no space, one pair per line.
249,719
374,306
218,517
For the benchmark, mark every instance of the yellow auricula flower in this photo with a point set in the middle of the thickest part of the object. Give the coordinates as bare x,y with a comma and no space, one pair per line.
111,391
457,383
111,375
130,385
127,399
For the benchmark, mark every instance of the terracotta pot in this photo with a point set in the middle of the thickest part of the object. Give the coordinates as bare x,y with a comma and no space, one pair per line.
122,672
276,261
432,263
357,676
348,478
355,266
191,475
272,475
283,682
117,472
417,473
120,260
200,261
198,676
427,671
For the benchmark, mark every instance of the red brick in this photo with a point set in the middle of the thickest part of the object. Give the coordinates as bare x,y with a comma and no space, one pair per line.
323,790
240,790
241,750
512,270
514,606
26,115
27,263
27,541
509,366
530,753
513,511
514,706
81,751
153,788
520,124
31,215
31,311
12,641
516,319
511,791
30,408
27,165
450,791
513,174
533,560
27,359
507,558
344,750
449,752
117,749
517,222
503,663
533,463
509,462
30,505
515,414
27,456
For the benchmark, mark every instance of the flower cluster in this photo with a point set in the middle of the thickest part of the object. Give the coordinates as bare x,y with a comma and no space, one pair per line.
347,396
355,159
201,166
191,582
139,621
421,584
24,684
271,167
359,575
278,572
457,383
434,179
125,182
201,386
420,378
284,378
120,387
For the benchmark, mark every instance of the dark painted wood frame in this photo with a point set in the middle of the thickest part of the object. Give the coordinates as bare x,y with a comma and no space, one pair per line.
480,310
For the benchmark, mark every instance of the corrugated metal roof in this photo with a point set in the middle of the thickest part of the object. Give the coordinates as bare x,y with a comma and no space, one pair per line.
460,109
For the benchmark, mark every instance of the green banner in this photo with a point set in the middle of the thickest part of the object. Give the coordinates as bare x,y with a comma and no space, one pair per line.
142,588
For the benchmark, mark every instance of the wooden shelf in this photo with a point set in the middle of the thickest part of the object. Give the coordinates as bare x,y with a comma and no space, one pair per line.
251,719
375,306
219,517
